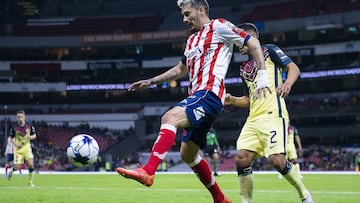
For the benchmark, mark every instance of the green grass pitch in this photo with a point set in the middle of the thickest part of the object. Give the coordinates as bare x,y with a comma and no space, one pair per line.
172,188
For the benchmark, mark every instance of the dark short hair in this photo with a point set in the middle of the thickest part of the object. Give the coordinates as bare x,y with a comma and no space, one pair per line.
249,27
20,112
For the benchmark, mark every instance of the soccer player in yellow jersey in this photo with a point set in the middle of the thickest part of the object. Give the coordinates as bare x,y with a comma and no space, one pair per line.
265,130
21,133
291,151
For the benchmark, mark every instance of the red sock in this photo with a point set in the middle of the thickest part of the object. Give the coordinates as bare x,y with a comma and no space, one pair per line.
202,170
162,145
6,169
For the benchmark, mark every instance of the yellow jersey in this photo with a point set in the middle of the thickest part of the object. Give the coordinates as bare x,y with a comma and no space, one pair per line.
273,105
21,135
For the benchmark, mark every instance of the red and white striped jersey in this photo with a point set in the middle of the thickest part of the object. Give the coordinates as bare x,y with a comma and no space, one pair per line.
9,147
208,54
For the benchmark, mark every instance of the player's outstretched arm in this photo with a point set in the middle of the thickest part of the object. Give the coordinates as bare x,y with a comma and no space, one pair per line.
243,101
255,51
174,73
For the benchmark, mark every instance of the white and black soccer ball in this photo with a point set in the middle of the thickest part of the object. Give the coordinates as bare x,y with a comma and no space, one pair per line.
82,150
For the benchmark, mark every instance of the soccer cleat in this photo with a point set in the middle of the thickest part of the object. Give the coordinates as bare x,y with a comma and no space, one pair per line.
308,199
31,184
138,174
11,170
226,200
216,174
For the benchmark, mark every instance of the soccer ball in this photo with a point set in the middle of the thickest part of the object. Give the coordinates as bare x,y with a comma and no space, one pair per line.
82,150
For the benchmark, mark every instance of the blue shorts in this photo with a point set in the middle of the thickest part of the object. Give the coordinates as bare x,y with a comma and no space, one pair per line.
10,157
202,108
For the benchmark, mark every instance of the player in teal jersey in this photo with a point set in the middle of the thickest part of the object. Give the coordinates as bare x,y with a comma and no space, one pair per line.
212,149
357,162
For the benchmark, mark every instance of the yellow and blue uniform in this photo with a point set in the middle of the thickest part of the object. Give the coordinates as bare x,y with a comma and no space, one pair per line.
21,135
265,130
290,146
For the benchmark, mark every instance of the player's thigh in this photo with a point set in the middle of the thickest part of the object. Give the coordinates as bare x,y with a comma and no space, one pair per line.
273,134
176,116
249,139
18,158
29,157
291,153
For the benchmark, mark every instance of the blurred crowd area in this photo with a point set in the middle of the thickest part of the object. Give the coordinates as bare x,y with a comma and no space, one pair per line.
49,148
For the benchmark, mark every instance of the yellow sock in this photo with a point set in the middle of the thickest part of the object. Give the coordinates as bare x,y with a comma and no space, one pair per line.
293,177
356,168
246,188
31,177
297,166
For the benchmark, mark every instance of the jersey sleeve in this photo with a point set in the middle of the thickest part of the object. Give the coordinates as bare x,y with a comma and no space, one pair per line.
231,33
216,141
278,56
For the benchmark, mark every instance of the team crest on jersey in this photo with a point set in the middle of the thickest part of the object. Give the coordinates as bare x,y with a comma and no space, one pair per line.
248,70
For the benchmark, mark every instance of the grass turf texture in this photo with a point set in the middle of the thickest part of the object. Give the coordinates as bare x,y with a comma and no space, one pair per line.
172,188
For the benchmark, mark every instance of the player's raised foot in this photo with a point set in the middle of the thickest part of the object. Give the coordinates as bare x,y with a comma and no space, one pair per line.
10,173
308,199
226,200
31,184
138,174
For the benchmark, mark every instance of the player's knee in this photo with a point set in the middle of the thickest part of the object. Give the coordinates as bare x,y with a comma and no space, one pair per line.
277,161
243,159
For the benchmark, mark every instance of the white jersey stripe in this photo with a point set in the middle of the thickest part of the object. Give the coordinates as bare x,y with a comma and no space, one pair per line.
203,49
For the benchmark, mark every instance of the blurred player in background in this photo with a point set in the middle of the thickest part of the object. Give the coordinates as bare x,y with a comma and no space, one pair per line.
357,162
21,133
291,152
265,130
206,59
212,149
9,156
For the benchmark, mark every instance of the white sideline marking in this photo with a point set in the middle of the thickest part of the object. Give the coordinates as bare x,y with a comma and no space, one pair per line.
166,190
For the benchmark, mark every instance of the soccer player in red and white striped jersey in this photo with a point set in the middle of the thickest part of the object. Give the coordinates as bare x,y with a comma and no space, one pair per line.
206,60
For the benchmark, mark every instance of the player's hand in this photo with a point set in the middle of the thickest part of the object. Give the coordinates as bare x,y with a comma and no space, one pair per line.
140,85
283,90
262,85
229,99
